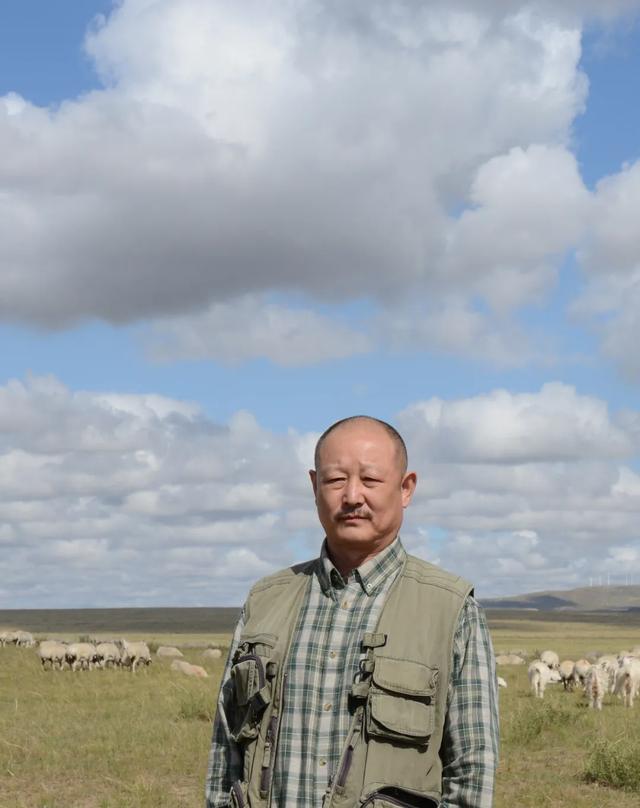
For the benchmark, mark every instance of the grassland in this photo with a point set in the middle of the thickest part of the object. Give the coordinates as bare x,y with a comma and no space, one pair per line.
107,739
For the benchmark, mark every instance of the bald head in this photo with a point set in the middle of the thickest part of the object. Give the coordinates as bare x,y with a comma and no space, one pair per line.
353,420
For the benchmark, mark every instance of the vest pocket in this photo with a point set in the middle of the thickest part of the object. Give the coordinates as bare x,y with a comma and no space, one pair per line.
398,798
252,674
399,705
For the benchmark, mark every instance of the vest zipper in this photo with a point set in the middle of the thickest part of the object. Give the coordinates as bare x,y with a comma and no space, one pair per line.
268,774
344,765
394,800
347,758
268,759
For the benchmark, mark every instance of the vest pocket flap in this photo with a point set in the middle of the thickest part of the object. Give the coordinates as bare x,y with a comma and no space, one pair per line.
250,681
404,676
399,719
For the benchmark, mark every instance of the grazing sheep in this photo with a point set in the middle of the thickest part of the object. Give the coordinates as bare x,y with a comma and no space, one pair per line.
509,659
566,673
212,653
188,669
25,639
9,638
107,654
81,655
550,659
53,652
501,682
628,682
596,686
609,664
169,651
540,675
580,671
133,654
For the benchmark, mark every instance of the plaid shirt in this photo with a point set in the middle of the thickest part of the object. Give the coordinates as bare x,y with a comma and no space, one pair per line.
324,655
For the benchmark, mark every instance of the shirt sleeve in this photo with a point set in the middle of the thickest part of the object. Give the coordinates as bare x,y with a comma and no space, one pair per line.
469,749
225,757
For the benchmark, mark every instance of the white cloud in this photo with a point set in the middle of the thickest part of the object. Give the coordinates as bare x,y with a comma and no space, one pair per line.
315,147
251,327
516,491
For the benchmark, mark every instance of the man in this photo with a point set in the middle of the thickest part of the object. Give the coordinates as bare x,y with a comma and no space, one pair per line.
365,677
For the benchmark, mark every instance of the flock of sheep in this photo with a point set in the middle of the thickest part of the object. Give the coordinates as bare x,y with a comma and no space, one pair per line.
610,673
55,654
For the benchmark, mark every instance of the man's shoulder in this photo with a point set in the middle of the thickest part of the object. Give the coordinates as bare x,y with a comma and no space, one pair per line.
285,576
424,572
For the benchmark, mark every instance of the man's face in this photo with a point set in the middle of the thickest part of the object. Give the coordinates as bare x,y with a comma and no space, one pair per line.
360,487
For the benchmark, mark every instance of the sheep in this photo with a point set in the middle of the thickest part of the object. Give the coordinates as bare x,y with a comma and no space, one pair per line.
134,653
188,669
566,673
509,659
169,651
628,681
9,638
53,652
25,639
580,671
540,675
107,653
212,653
596,686
550,659
501,682
82,655
609,664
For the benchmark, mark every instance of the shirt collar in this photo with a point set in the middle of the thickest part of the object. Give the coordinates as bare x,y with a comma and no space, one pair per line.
369,575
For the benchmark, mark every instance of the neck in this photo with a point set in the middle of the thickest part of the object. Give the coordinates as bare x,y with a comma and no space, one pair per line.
347,559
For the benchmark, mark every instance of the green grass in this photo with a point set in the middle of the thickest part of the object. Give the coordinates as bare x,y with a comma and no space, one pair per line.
109,739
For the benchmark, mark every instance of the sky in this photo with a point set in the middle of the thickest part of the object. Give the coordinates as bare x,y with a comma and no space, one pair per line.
224,226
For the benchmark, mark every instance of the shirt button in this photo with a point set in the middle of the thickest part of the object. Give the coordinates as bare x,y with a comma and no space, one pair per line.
332,655
328,706
322,762
345,604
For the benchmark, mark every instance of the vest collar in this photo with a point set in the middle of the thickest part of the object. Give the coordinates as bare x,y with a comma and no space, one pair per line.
370,575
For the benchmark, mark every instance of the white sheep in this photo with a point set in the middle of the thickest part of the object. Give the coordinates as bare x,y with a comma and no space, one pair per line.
540,675
550,659
580,671
628,681
596,685
53,652
25,639
133,654
501,682
609,664
565,670
107,654
81,655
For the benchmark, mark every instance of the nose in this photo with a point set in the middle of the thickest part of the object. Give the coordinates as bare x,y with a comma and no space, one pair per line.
352,494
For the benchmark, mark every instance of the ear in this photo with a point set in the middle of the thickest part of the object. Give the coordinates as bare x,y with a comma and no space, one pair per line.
408,486
314,481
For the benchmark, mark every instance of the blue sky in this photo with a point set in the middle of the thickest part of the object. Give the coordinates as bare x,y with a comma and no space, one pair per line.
242,219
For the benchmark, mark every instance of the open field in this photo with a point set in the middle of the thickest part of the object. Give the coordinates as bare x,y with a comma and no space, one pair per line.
107,739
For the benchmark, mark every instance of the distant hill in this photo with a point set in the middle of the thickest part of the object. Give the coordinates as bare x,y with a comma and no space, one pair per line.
86,621
585,598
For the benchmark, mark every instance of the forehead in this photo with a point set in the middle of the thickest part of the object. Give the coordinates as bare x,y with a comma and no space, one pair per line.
360,441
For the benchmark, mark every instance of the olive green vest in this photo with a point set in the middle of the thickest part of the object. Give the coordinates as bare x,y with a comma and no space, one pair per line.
390,757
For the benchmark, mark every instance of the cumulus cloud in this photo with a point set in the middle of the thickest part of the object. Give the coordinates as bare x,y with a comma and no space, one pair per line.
113,500
250,328
316,147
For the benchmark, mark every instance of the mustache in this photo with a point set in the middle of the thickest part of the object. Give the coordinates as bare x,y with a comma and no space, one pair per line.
357,513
